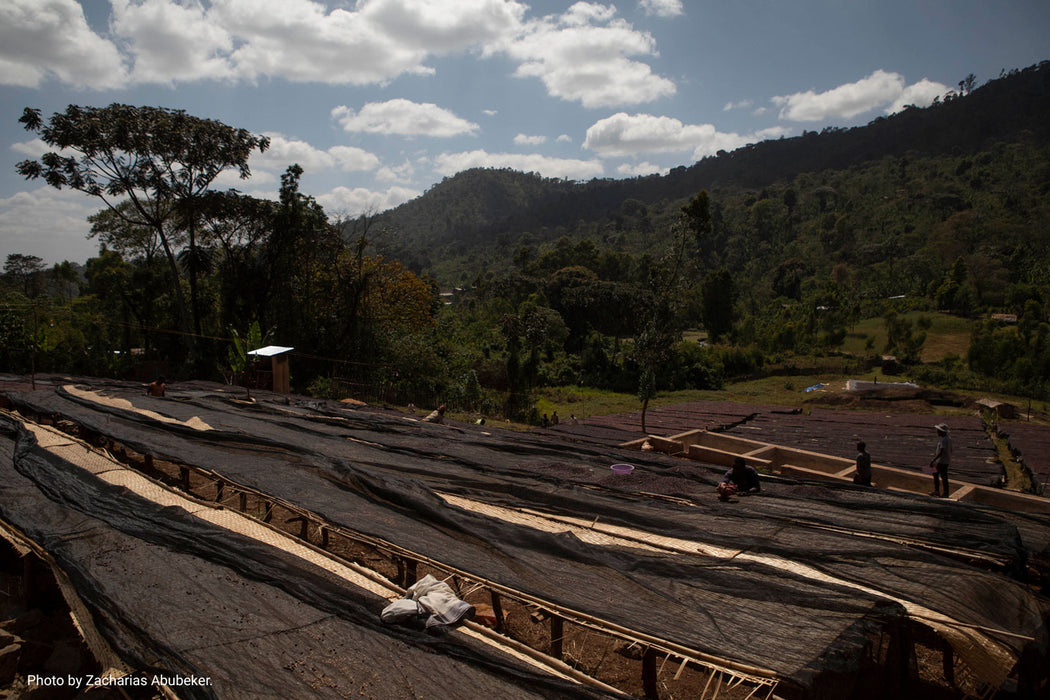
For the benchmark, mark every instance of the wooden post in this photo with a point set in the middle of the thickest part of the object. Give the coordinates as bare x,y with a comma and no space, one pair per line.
557,635
184,476
948,663
649,685
219,485
324,536
147,462
410,573
268,514
242,501
30,591
497,611
304,530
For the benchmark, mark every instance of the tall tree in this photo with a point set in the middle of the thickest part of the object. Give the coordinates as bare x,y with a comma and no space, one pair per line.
661,329
160,160
717,300
25,271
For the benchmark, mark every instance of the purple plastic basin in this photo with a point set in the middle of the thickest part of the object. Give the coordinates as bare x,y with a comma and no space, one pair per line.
622,468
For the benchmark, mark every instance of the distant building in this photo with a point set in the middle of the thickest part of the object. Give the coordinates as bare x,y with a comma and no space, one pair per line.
1001,408
1005,318
277,375
890,365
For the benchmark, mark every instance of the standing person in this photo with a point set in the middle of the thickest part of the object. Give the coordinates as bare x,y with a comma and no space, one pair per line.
741,479
554,418
863,475
942,457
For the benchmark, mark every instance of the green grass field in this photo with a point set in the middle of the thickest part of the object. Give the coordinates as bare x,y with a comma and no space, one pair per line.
947,335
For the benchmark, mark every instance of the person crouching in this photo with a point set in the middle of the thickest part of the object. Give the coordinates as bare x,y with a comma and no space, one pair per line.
742,480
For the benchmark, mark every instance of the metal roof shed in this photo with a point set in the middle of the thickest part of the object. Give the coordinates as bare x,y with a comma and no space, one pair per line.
279,370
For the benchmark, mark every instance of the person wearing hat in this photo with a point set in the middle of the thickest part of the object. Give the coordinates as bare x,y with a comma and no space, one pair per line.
942,457
741,479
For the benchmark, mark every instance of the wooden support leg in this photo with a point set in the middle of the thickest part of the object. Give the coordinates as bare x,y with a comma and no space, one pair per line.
268,513
184,476
304,530
410,573
30,589
147,462
219,486
557,636
948,664
649,685
497,611
324,537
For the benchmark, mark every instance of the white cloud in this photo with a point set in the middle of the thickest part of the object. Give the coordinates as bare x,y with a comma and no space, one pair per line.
33,148
662,8
879,89
301,40
569,169
49,223
583,13
284,151
587,54
579,60
442,25
359,200
921,94
564,138
231,179
351,158
172,42
43,38
490,112
773,132
403,117
742,104
526,140
639,169
397,173
626,135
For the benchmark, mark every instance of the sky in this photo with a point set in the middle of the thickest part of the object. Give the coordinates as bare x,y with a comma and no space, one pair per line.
379,100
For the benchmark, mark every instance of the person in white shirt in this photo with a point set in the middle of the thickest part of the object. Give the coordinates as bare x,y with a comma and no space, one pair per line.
942,457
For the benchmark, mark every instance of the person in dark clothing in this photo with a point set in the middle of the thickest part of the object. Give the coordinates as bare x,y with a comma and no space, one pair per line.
742,480
863,475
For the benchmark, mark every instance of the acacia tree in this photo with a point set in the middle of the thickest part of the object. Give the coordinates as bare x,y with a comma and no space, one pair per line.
660,329
160,160
26,271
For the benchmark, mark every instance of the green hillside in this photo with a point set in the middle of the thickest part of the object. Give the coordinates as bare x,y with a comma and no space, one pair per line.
923,235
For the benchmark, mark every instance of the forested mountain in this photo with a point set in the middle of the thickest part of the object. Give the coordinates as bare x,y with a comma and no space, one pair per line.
483,213
773,252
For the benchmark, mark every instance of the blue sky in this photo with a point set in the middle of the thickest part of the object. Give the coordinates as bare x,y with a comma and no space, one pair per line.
378,100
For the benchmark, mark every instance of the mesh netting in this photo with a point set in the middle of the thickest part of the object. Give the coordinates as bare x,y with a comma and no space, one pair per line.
806,580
